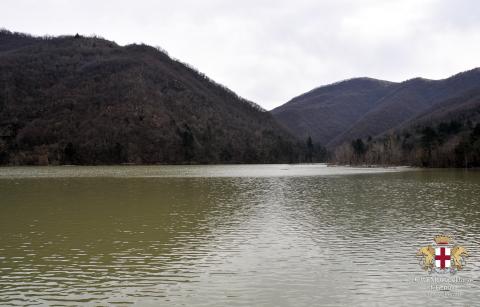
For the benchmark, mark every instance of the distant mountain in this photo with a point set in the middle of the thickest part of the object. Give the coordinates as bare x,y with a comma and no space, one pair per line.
87,100
328,111
464,107
368,108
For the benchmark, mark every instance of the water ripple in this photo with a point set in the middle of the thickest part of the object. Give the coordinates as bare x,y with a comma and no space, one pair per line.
232,240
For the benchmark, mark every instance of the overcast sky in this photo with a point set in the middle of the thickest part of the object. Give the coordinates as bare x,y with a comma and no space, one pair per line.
270,51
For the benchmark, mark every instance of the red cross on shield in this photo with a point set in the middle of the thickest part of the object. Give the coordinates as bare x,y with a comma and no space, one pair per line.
442,257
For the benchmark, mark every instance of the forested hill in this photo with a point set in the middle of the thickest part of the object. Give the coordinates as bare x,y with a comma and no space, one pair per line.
421,122
87,100
329,111
446,135
365,107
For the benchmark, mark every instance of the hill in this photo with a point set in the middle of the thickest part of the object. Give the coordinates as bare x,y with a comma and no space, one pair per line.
366,108
87,100
446,135
328,111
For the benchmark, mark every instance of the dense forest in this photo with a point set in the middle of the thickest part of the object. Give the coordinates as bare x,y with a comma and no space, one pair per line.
87,100
446,137
451,144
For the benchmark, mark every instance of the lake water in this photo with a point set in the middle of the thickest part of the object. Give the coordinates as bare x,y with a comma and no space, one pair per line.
255,235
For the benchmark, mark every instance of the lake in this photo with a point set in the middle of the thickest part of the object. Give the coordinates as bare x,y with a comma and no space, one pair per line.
238,235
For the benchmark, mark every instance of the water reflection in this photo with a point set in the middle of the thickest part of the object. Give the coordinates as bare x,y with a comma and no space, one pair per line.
346,239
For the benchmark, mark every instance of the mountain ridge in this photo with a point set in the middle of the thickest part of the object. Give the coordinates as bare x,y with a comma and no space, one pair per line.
387,110
87,100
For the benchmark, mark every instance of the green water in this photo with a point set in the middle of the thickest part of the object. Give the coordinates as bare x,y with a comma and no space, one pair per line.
258,235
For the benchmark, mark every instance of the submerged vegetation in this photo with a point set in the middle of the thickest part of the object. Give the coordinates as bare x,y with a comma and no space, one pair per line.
446,144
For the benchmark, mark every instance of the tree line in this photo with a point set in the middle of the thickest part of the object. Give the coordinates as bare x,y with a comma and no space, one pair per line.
453,143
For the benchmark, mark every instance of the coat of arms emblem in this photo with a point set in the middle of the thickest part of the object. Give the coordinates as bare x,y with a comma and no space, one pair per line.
443,256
